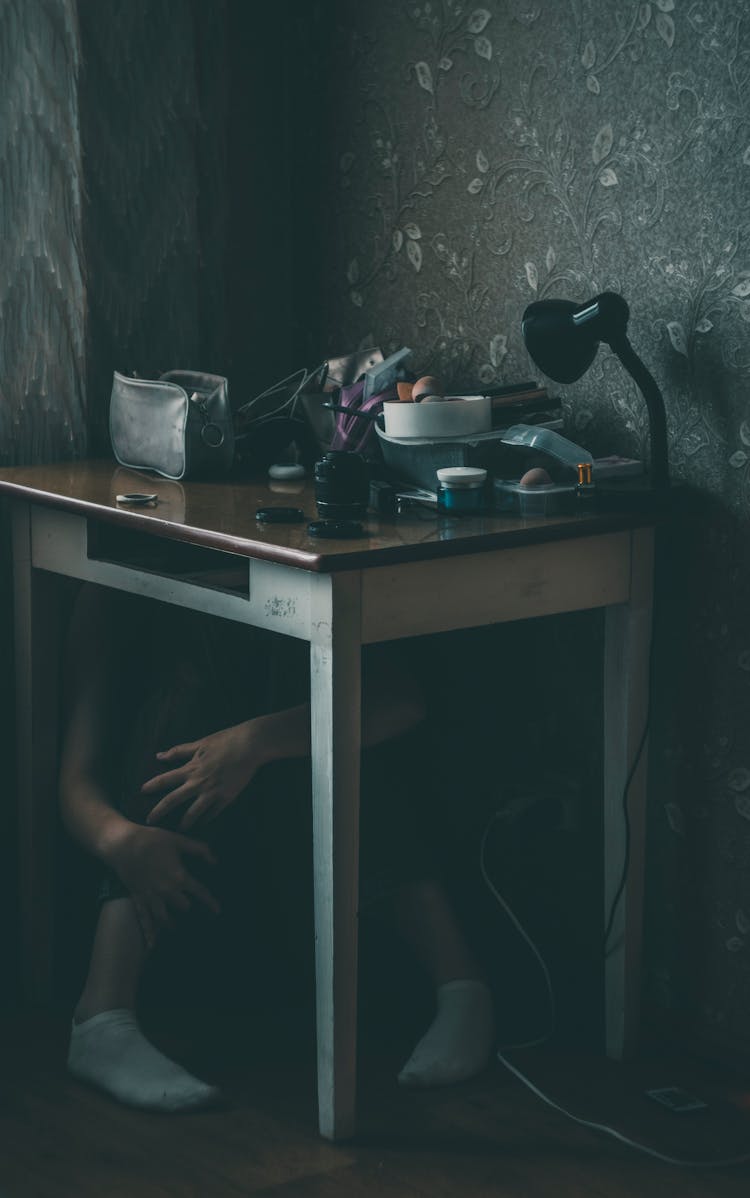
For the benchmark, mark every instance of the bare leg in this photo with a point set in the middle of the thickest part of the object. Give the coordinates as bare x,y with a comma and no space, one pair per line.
427,922
107,1047
459,1042
117,959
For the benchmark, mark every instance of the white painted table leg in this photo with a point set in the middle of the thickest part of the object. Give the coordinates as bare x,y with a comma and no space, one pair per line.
37,645
626,688
335,684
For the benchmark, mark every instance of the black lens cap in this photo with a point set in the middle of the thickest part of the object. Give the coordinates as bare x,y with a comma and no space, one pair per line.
335,528
280,515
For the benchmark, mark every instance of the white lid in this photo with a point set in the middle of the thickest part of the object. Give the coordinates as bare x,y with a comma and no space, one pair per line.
286,470
462,476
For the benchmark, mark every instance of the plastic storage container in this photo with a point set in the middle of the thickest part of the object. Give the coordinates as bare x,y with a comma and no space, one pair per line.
417,461
546,500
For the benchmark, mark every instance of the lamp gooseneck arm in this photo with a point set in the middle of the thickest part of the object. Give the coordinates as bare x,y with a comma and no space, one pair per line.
657,419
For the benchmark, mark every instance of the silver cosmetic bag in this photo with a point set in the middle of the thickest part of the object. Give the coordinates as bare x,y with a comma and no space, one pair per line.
179,425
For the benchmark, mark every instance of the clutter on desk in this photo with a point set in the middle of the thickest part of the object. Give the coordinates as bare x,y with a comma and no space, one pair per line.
368,427
371,404
425,447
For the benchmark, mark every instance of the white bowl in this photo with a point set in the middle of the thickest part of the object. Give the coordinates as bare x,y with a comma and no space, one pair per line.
450,418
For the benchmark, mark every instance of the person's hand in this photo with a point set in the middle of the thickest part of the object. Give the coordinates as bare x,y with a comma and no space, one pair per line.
210,773
151,863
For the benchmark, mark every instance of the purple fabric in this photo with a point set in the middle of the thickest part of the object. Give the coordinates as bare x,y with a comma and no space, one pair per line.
353,433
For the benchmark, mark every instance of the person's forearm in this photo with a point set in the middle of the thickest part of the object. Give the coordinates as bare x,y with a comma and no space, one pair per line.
90,818
385,715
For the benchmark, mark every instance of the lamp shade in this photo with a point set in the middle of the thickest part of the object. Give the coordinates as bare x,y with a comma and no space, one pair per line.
562,337
556,346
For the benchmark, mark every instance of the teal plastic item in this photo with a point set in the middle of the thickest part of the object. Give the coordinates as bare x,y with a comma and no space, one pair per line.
461,490
546,440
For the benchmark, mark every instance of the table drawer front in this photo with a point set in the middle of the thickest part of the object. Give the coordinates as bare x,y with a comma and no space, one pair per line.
492,588
264,594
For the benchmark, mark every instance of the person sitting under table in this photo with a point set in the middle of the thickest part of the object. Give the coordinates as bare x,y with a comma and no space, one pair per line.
172,732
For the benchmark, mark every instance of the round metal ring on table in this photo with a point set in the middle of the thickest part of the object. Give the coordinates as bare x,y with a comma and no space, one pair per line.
212,435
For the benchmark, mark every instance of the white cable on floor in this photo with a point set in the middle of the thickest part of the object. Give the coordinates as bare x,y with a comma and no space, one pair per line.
612,1131
593,1126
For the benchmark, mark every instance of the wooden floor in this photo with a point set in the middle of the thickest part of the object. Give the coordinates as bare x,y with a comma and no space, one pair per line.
489,1137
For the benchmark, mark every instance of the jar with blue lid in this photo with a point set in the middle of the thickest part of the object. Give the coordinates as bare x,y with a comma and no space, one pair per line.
461,490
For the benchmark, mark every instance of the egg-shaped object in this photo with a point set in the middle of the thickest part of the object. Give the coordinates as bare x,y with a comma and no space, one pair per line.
427,385
538,477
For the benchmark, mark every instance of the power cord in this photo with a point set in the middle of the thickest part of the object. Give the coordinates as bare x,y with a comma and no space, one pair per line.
626,820
542,1039
299,377
524,936
618,1135
625,810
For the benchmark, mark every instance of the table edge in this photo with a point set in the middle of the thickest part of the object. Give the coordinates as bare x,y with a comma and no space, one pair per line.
356,559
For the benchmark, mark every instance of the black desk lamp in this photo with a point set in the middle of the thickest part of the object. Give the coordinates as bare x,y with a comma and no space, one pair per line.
563,337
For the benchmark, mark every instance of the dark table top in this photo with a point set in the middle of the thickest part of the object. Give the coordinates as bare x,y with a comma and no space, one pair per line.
221,515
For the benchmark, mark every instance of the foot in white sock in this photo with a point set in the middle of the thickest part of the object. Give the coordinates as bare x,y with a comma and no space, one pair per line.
459,1042
110,1051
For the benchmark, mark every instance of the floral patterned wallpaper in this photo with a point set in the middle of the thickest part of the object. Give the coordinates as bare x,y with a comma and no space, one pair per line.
481,157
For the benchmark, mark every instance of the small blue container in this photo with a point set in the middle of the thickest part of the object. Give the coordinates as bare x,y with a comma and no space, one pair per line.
461,490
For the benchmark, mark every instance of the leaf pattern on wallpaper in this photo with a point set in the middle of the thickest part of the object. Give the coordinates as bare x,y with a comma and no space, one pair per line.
623,37
455,33
602,144
483,47
677,337
547,171
424,76
588,58
498,348
719,27
478,20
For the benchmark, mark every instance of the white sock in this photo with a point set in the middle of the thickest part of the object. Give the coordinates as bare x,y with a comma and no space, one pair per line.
460,1040
110,1051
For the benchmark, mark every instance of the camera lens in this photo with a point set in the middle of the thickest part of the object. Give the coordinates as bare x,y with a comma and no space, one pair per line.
341,485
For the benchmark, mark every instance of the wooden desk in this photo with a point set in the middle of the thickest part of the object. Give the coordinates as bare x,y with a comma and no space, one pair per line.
416,575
